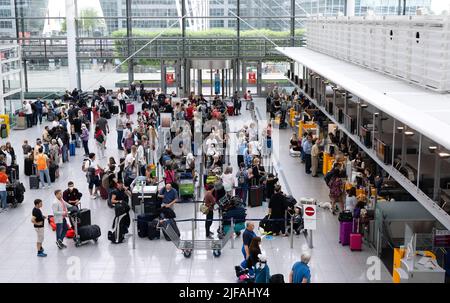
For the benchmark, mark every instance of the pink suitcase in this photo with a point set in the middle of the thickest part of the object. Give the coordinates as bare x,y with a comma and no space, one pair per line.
356,239
130,108
345,229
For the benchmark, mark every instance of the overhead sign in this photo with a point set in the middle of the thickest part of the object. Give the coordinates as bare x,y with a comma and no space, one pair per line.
169,78
252,78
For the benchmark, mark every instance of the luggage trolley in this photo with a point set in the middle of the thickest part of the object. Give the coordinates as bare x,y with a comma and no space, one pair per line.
187,246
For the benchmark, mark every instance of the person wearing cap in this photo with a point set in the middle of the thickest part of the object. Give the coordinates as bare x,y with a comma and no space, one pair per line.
300,272
71,195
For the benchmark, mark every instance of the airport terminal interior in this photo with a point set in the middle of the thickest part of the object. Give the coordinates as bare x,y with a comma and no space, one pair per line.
225,141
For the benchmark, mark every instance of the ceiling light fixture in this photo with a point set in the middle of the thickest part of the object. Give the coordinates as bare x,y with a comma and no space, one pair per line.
409,133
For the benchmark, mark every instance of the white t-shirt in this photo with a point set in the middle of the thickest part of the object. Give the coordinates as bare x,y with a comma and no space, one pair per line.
28,109
129,160
141,155
229,181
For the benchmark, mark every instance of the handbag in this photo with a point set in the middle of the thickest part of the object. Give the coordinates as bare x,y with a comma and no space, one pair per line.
204,209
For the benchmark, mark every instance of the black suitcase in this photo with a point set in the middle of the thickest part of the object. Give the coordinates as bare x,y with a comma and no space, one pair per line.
277,278
255,196
14,173
143,222
34,182
172,223
52,172
89,232
83,217
153,231
28,166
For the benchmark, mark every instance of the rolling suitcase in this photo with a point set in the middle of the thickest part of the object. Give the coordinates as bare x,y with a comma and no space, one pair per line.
153,232
83,217
143,222
130,108
345,229
72,147
356,238
34,182
4,131
28,166
88,232
173,224
255,196
14,172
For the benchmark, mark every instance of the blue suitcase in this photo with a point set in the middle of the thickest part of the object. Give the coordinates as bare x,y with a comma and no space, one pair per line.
72,147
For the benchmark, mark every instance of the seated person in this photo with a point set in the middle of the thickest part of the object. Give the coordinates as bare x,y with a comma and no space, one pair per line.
71,195
169,196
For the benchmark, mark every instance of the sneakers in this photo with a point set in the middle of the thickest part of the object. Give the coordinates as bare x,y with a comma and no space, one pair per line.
63,245
210,237
41,254
59,244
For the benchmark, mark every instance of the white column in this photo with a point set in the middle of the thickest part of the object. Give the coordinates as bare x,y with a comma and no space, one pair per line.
71,43
350,9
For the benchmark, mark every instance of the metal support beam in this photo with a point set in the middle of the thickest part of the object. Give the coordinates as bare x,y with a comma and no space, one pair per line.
394,130
129,42
292,26
418,160
259,78
199,81
437,177
243,76
223,84
403,161
163,77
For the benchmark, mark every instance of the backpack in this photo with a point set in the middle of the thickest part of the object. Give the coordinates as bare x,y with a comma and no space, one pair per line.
41,162
99,138
86,165
328,177
241,178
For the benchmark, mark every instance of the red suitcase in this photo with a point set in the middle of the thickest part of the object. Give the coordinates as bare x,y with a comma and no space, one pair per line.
130,108
356,239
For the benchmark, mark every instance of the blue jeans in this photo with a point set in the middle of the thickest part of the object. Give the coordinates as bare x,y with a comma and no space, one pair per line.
46,148
64,152
45,173
3,197
119,138
61,230
39,115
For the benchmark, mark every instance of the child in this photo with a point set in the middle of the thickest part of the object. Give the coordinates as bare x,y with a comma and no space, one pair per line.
38,221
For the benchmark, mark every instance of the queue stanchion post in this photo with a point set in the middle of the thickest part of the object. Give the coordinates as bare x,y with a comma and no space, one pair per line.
232,230
193,230
292,232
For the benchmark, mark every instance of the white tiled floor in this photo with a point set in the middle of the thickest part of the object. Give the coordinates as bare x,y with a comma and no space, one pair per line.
160,261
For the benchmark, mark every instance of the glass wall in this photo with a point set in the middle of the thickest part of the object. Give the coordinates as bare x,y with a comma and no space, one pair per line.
209,30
